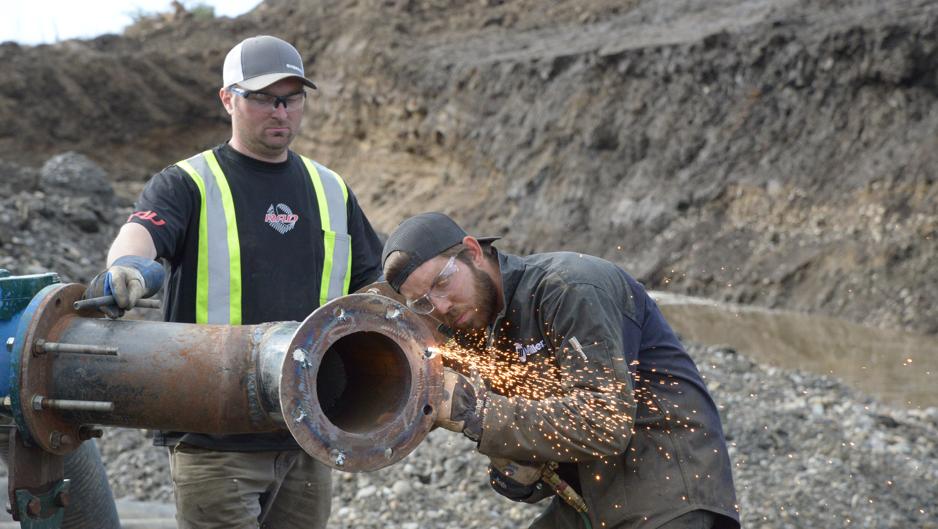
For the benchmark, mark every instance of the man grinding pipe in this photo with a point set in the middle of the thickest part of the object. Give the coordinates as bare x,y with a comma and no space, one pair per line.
630,428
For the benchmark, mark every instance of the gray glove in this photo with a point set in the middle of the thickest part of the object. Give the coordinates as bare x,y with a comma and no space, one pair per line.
130,278
127,286
463,404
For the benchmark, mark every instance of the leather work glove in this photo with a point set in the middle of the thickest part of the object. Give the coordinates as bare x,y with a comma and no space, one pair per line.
463,402
128,279
517,481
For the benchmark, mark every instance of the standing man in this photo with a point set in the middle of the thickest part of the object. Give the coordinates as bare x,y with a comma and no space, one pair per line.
252,233
629,424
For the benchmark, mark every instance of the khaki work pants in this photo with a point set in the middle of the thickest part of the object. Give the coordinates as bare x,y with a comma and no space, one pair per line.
249,490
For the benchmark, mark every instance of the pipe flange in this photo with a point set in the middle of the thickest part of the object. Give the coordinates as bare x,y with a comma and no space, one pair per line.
45,318
358,391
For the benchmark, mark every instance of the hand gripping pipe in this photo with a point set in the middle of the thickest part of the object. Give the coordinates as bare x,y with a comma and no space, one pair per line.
356,383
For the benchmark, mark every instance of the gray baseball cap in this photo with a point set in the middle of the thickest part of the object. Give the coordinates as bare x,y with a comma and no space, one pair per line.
261,61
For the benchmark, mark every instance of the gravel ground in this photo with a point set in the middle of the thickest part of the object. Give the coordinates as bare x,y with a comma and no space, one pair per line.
807,452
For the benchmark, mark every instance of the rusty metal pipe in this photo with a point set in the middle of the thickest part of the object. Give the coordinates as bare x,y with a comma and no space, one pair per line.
273,346
168,376
351,383
357,391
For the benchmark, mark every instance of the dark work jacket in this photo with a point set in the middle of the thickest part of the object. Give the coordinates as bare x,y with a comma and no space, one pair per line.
633,427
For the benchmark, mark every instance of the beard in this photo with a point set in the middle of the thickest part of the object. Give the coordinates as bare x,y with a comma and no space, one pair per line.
484,304
261,142
276,142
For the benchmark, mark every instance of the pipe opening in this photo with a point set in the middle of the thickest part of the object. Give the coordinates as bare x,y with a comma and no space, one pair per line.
364,382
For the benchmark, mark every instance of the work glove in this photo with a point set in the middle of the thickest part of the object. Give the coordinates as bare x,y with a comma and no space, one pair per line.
517,481
128,279
463,404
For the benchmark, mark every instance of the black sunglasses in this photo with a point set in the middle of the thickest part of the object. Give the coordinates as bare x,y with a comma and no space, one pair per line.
264,99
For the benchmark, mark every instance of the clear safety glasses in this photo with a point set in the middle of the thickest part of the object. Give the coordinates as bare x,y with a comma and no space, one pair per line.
438,288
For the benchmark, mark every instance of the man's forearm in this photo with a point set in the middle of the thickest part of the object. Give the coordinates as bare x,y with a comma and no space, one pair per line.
575,428
133,239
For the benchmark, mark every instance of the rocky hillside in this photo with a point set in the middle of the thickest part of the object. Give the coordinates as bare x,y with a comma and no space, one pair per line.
774,152
770,152
758,151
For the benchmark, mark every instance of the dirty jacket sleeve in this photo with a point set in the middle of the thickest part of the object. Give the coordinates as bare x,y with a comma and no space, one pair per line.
592,416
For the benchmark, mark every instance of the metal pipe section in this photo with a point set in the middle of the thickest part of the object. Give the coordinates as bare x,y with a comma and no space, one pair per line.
358,390
272,349
168,376
352,383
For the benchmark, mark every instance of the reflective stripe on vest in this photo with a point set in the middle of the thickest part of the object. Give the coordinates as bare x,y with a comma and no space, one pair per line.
218,278
333,214
218,283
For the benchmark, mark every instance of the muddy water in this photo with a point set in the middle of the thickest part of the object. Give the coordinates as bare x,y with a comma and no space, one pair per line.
895,366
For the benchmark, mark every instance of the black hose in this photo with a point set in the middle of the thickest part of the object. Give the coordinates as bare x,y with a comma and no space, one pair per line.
91,503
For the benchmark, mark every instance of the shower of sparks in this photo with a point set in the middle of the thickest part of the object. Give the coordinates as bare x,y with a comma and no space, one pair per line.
572,408
528,380
578,412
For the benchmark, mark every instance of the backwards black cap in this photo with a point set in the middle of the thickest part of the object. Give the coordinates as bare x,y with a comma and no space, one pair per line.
423,237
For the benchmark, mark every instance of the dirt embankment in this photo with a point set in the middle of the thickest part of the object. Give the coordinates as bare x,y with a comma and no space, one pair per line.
776,153
760,152
772,152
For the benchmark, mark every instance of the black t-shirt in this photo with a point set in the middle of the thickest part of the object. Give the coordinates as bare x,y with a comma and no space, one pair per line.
282,249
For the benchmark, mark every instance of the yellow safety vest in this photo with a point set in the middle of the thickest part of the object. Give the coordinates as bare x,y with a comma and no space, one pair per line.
218,276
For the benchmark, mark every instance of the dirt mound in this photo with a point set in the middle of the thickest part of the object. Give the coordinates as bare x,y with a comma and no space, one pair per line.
758,151
59,218
776,153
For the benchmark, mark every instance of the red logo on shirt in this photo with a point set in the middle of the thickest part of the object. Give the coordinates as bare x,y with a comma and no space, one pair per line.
147,215
292,218
281,218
